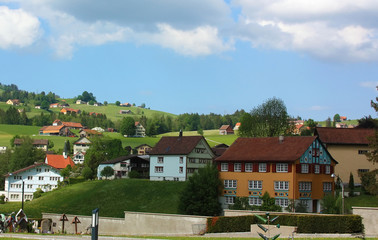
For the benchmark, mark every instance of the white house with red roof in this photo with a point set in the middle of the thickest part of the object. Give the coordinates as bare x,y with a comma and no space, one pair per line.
39,175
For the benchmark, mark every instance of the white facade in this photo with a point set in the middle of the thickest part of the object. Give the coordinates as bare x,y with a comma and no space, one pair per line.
36,176
180,167
82,145
78,158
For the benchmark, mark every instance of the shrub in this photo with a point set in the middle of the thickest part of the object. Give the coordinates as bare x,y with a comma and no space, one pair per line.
38,193
134,174
2,199
305,223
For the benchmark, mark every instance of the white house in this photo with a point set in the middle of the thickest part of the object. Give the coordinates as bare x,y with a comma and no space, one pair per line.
177,158
81,145
39,175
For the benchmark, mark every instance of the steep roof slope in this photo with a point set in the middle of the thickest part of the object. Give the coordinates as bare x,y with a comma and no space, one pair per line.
175,145
344,135
267,149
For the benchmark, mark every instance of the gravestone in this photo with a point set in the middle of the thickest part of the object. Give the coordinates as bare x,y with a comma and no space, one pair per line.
46,225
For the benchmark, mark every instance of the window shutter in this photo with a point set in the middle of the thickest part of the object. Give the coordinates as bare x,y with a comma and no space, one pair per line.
289,167
322,169
332,170
268,167
219,166
255,167
230,167
311,168
273,167
243,167
298,168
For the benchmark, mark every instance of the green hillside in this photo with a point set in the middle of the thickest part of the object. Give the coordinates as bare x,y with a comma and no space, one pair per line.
112,197
111,110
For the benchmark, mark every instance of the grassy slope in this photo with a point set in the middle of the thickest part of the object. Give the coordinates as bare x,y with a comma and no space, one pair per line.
112,197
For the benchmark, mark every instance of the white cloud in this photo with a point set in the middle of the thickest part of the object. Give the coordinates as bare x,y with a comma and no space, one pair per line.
203,40
17,28
372,85
343,30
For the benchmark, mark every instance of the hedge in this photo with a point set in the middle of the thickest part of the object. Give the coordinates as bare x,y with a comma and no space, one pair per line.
304,223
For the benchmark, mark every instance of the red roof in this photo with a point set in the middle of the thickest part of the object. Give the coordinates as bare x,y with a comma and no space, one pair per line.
72,124
267,149
51,129
58,161
175,145
225,127
357,136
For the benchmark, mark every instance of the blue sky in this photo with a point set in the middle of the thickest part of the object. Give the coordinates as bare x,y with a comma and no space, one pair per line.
319,56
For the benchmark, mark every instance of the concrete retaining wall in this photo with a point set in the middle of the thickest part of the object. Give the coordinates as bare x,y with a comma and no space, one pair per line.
369,219
134,223
164,224
107,226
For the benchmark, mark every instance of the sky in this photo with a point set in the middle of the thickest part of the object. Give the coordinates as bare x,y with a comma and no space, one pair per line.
319,56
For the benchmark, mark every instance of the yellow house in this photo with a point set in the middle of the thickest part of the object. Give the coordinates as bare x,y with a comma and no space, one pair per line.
348,146
288,168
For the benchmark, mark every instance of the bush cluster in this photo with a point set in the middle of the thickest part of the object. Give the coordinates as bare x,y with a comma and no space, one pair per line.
305,223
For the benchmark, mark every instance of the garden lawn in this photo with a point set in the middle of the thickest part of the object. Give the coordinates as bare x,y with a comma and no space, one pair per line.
113,197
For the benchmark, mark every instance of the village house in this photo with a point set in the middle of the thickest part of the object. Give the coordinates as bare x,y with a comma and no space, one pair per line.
178,158
39,175
125,105
80,102
123,165
143,149
140,131
237,126
69,125
37,143
125,112
53,130
288,168
70,110
80,147
348,146
226,130
89,133
54,105
14,102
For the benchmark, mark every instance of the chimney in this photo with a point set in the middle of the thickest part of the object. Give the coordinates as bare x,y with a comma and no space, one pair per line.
281,139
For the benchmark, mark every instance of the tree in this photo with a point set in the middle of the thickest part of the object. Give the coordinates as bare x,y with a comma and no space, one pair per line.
369,182
87,173
117,103
332,204
25,155
200,194
45,105
269,204
351,185
128,126
267,120
65,172
105,103
107,172
328,122
367,122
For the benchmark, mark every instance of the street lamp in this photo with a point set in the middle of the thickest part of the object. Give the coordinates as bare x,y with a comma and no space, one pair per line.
342,190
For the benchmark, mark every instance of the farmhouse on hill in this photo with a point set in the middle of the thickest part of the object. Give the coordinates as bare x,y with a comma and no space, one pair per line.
226,130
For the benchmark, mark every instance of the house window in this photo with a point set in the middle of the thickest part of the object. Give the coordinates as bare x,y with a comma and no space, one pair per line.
282,167
282,202
304,168
363,151
248,167
256,201
160,160
224,167
181,160
47,170
29,186
18,177
159,169
361,171
229,199
191,170
327,169
305,186
327,186
123,165
30,177
262,167
230,183
254,184
181,169
192,160
281,185
40,178
39,170
237,167
317,169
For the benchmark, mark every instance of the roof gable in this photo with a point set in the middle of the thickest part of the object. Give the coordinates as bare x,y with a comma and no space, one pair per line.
267,149
29,167
175,145
358,136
